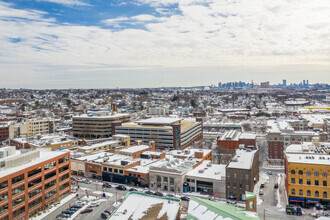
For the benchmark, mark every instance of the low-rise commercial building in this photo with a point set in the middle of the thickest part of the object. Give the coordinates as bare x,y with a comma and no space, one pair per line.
31,181
242,173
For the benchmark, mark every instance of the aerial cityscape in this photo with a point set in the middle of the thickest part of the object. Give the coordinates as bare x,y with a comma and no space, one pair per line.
164,110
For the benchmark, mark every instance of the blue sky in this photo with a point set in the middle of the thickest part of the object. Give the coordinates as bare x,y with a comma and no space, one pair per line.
152,43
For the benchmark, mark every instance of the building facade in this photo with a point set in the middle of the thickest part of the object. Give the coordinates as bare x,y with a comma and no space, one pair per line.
31,187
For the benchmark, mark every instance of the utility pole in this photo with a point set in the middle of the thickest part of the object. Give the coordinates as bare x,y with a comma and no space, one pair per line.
265,214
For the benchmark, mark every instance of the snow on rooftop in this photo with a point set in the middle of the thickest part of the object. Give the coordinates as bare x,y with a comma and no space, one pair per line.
100,144
134,149
208,170
243,159
156,207
159,121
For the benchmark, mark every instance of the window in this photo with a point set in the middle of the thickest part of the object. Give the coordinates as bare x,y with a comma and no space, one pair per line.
115,170
18,201
240,186
50,184
301,192
35,192
234,185
3,197
316,193
301,181
66,167
50,194
234,175
325,195
308,173
104,169
165,179
247,187
64,186
293,172
121,171
324,174
293,180
34,172
293,192
34,182
63,159
17,179
308,193
171,181
228,185
159,179
301,172
49,175
324,183
50,165
240,176
228,175
246,176
308,182
316,182
316,173
18,212
110,170
18,190
3,208
4,184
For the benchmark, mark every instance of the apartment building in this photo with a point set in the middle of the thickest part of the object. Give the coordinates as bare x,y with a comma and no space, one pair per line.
4,132
307,169
96,124
173,133
30,181
32,127
281,134
232,139
242,173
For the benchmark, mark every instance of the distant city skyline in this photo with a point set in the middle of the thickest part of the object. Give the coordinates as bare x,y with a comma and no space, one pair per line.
161,43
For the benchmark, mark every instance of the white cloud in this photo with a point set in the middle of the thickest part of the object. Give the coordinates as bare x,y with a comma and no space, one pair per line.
68,2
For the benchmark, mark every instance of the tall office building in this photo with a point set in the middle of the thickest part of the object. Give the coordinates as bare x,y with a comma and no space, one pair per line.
284,82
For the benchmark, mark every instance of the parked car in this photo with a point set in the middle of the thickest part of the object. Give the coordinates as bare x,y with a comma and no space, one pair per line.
86,211
132,190
94,204
121,187
276,185
105,215
269,172
62,216
170,195
80,203
68,212
298,211
261,192
262,185
107,185
108,211
232,197
185,198
77,206
149,192
159,194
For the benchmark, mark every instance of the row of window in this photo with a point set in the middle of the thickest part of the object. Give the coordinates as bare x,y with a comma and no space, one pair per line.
240,176
240,186
308,182
113,170
316,194
308,173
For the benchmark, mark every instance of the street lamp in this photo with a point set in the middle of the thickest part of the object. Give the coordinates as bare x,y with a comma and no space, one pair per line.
265,213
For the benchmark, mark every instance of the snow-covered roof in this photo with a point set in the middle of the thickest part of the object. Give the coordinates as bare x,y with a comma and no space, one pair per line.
149,207
208,170
134,149
243,159
159,121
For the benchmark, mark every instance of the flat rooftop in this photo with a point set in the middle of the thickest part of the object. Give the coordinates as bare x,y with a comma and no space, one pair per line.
243,159
134,149
45,154
208,170
159,121
141,206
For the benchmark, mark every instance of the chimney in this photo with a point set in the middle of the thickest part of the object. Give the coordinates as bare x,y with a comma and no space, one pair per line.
138,142
152,144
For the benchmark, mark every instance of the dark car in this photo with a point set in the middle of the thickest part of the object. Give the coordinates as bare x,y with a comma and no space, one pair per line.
77,206
62,216
121,187
108,211
107,185
86,211
149,192
158,194
68,212
132,189
232,197
262,185
105,215
170,195
276,186
185,198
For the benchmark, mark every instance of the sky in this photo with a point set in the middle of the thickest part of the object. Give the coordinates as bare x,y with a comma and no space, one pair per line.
154,43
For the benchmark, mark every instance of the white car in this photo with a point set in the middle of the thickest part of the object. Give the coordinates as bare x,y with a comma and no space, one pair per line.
94,204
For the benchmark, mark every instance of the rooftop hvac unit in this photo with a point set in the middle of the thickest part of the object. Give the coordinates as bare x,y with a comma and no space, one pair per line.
200,171
209,165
